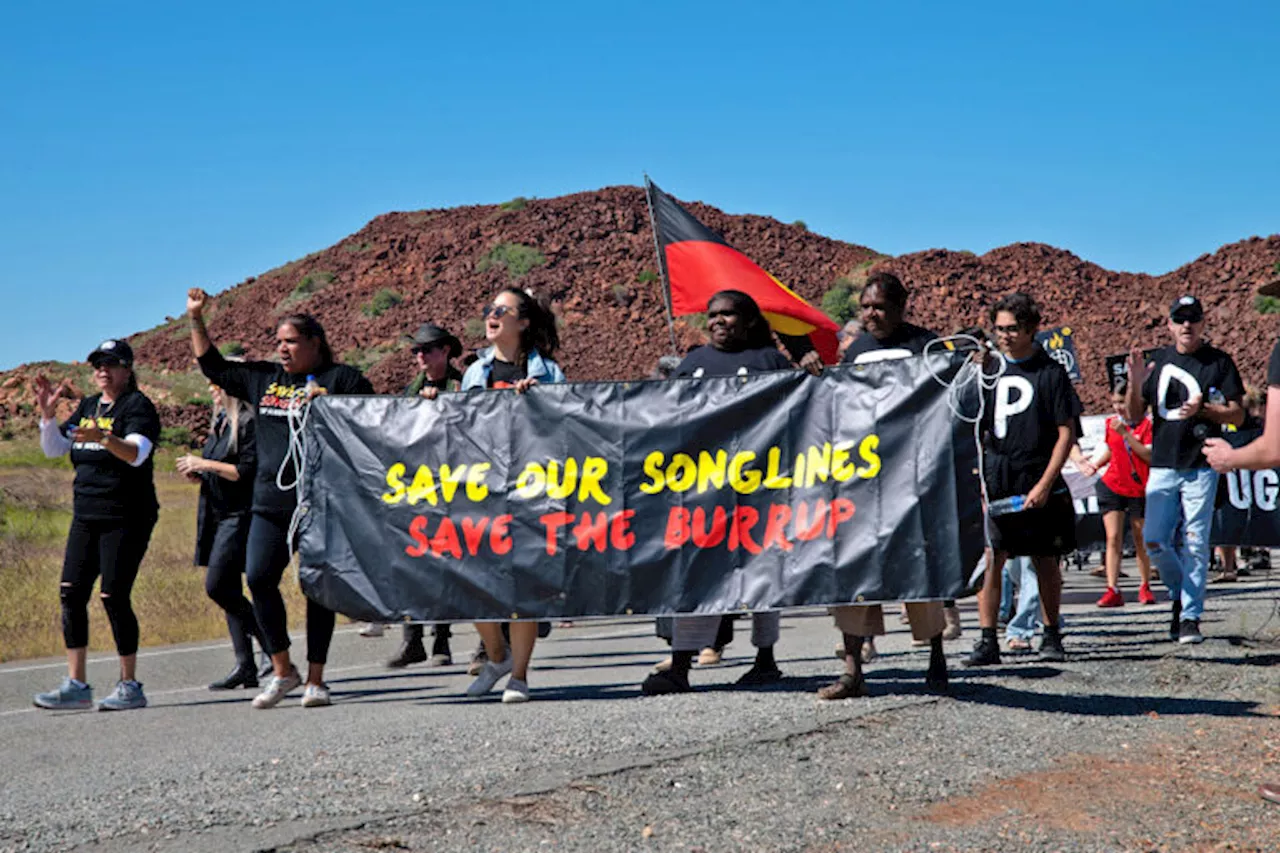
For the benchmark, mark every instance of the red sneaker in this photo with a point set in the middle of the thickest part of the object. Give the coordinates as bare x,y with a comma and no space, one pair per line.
1145,596
1111,598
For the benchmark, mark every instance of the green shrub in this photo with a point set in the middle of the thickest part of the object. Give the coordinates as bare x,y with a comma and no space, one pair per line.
199,400
517,203
801,224
648,277
1275,268
363,359
231,348
473,328
382,301
1266,304
308,287
176,436
839,303
515,258
697,321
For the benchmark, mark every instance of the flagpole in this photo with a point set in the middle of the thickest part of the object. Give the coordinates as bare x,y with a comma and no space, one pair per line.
662,264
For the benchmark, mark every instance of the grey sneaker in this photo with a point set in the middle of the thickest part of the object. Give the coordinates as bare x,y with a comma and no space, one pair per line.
68,697
490,676
277,689
126,697
1189,632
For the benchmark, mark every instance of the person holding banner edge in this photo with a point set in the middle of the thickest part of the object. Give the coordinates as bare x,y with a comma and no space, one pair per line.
277,391
523,334
1261,453
886,335
1193,390
1029,427
740,343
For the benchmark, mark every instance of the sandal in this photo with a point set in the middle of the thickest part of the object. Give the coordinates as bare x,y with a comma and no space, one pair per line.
1017,644
844,687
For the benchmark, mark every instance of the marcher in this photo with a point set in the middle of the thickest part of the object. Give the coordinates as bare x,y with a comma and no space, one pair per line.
886,335
1028,429
278,390
110,437
225,470
434,350
1261,453
1122,492
523,337
740,344
1193,390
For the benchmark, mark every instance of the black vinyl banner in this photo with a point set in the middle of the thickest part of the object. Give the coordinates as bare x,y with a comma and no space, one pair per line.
600,499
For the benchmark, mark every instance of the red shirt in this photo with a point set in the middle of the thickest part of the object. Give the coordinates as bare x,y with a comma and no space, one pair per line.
1125,464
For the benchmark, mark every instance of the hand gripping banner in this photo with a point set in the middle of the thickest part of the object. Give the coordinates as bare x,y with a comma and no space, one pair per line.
601,499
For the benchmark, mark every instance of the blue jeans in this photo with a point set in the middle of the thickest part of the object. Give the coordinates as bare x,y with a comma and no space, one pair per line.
1184,497
1025,622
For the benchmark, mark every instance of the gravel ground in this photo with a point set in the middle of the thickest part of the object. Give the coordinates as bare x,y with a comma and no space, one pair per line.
1134,744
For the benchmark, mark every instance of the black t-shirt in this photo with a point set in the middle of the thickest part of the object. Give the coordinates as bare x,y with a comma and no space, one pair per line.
221,496
272,390
906,340
505,374
1175,378
706,360
1020,422
107,487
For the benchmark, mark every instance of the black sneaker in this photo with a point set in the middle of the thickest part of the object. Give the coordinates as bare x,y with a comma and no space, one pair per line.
1051,650
1175,623
411,651
665,682
1189,632
985,653
757,676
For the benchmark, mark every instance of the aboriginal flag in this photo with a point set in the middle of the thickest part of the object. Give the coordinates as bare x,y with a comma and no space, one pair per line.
698,262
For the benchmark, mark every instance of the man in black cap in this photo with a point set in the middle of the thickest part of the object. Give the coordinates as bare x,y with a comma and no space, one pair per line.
1193,390
434,349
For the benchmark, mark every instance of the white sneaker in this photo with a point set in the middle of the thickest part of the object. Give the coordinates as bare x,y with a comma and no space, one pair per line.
489,676
371,629
517,691
316,696
277,689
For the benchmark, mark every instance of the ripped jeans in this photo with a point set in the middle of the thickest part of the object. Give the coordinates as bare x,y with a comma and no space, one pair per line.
1186,497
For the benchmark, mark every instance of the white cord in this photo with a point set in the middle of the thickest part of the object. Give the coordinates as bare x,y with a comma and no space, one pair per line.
971,373
296,415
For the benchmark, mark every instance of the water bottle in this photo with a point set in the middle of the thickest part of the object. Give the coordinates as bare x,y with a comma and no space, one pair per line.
312,387
1004,506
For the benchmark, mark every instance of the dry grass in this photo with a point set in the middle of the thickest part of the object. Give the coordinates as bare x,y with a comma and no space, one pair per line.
169,597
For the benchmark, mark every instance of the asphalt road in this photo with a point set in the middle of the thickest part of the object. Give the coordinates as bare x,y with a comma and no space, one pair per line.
404,760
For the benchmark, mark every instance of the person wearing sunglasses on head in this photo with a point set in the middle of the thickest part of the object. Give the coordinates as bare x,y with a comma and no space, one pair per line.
523,338
434,350
1121,492
110,437
1193,390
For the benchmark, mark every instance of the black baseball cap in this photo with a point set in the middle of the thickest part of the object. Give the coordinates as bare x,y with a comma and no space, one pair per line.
112,350
429,334
1186,308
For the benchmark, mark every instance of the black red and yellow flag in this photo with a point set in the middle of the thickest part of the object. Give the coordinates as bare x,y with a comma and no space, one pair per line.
698,262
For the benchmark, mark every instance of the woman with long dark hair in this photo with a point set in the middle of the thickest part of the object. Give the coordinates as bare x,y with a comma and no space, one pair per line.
740,343
225,470
523,336
110,437
306,367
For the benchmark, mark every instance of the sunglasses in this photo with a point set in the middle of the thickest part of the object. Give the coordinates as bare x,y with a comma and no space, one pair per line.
1008,330
497,312
424,349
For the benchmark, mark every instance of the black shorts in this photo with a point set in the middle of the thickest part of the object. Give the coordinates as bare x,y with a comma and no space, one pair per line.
1049,531
1109,501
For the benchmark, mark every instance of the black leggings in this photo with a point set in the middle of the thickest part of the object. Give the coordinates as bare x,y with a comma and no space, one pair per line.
267,556
223,585
111,548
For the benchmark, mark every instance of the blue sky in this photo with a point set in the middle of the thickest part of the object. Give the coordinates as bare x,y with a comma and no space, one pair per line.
145,148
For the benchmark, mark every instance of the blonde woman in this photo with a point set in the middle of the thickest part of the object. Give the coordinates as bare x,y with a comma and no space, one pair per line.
225,470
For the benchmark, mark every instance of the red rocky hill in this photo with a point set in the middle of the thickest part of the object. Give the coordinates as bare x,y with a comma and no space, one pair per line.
593,254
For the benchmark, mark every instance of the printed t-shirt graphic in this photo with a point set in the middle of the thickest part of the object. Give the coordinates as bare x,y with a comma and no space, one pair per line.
273,391
1174,379
907,340
505,374
107,487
